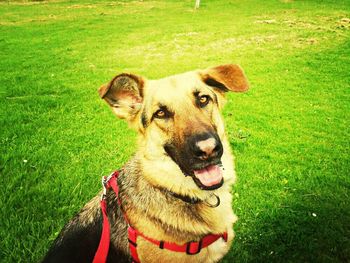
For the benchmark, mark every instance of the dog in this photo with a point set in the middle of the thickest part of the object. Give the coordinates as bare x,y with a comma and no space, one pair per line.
176,188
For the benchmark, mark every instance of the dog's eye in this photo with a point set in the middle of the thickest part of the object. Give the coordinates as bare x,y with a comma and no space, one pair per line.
203,100
162,113
159,114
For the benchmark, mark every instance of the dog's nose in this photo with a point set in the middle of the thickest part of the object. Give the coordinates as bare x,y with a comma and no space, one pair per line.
208,148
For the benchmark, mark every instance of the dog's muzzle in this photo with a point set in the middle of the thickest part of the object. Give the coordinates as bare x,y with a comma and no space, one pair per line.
200,158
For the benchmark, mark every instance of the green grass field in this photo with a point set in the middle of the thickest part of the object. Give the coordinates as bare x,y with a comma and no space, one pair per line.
290,132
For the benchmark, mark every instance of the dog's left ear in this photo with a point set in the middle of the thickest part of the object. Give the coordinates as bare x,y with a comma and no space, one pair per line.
124,94
225,78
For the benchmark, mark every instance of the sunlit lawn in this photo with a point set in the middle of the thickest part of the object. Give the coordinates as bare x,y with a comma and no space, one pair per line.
290,132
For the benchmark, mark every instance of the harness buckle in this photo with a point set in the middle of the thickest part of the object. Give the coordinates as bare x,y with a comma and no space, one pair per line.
161,244
189,250
225,236
104,181
132,236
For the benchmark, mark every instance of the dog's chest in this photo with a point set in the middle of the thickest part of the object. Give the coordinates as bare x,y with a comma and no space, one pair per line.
213,220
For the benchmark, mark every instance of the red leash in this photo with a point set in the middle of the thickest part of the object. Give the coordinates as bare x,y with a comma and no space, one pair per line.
190,248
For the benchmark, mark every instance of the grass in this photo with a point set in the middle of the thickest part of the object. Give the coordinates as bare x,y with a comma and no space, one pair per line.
290,132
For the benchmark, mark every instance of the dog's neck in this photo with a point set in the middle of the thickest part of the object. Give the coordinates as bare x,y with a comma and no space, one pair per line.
194,200
184,198
143,209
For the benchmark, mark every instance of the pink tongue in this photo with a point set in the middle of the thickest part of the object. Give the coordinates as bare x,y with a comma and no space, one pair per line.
210,175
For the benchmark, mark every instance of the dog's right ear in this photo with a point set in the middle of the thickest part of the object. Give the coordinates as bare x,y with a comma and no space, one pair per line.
124,94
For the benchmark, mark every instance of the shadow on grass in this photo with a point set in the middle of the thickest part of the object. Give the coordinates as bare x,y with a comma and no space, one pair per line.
309,228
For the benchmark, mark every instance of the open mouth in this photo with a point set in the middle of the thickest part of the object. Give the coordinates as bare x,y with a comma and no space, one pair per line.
207,174
209,177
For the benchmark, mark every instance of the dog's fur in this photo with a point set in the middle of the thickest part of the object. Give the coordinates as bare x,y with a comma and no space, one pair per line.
170,118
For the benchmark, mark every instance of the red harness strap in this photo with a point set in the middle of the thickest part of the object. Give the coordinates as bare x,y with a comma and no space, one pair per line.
190,248
103,247
102,250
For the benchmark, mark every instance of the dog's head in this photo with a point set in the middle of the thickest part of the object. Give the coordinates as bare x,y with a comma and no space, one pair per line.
178,118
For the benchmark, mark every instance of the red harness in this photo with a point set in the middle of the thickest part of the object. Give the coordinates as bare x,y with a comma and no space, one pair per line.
190,248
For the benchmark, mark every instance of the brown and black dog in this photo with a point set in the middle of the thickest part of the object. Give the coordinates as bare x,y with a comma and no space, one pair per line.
183,166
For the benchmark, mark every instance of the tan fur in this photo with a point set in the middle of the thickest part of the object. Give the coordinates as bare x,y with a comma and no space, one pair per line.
143,179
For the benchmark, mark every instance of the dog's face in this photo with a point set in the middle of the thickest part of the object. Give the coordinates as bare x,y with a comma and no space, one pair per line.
179,121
